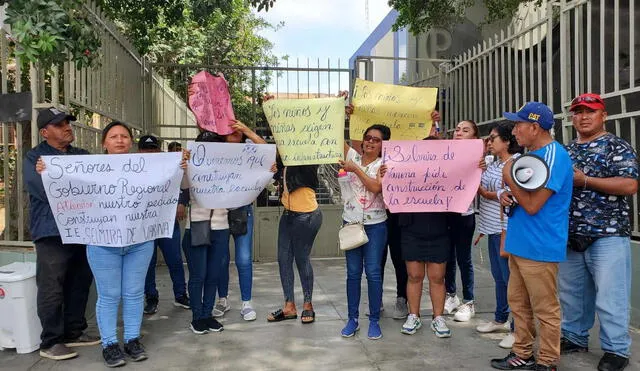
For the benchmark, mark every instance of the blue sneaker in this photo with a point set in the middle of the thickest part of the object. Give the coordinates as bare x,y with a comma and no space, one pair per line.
374,331
350,329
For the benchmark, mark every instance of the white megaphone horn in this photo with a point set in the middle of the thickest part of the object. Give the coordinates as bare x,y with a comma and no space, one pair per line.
530,172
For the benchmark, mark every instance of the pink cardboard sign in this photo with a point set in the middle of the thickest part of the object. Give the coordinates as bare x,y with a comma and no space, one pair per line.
210,102
431,175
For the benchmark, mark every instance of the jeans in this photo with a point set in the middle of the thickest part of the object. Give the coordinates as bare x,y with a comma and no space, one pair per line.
170,248
119,274
461,229
371,254
244,246
500,273
204,264
395,248
598,281
63,277
296,233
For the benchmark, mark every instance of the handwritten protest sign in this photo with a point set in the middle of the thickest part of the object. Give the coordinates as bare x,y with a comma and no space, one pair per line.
228,175
210,102
113,200
405,110
307,131
431,175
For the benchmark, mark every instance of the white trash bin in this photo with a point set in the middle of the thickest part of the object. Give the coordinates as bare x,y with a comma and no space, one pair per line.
19,323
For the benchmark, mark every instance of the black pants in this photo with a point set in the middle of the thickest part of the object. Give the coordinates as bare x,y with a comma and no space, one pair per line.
63,277
400,266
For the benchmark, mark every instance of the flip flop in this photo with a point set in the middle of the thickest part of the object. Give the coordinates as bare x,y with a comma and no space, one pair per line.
279,315
308,313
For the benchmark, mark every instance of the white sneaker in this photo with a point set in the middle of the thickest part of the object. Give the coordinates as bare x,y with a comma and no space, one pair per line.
508,341
494,327
411,325
451,303
465,312
440,328
222,307
401,310
247,312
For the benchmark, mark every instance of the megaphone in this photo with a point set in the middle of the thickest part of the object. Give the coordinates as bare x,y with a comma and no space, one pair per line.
530,172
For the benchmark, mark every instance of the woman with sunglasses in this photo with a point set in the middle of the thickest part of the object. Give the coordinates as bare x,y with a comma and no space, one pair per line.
365,205
503,146
461,229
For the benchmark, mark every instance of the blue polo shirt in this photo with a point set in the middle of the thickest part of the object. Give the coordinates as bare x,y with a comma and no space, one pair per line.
543,236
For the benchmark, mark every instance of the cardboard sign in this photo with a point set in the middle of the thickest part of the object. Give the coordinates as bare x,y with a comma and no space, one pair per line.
210,103
307,131
113,200
228,175
405,110
431,175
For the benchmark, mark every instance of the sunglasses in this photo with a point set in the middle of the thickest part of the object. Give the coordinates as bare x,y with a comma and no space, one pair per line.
371,138
586,100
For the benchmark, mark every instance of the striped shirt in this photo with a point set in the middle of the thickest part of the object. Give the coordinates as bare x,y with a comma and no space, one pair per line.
489,220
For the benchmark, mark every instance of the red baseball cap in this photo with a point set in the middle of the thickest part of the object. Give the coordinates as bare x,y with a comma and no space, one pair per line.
589,100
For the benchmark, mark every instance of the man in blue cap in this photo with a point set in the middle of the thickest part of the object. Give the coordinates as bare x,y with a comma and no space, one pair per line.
537,242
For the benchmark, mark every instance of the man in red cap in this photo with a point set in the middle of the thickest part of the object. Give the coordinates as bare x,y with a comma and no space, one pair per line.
596,277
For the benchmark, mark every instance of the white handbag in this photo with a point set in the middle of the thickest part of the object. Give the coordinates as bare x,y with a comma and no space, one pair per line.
352,235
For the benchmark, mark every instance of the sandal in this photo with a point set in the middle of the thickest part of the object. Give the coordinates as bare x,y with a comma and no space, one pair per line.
308,313
279,315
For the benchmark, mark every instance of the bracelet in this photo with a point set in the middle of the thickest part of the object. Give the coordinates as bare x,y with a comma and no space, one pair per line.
585,182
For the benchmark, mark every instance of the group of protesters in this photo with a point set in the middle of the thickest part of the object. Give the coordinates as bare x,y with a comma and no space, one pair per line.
559,255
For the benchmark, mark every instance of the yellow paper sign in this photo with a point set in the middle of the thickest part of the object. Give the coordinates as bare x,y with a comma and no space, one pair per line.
405,110
307,131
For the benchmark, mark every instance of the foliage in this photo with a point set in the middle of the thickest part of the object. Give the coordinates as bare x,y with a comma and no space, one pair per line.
420,15
200,32
47,32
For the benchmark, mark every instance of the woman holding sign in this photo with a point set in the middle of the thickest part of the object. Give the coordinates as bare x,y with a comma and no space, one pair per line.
120,275
504,146
461,228
363,204
240,220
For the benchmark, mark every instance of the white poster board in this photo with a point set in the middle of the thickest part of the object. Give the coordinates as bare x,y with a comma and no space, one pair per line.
113,200
228,175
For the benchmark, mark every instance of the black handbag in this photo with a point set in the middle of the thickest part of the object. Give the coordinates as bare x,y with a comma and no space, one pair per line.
238,219
579,243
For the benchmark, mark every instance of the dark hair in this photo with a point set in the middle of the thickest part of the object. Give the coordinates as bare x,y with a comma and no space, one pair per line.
209,136
383,129
474,126
431,137
113,124
173,145
504,130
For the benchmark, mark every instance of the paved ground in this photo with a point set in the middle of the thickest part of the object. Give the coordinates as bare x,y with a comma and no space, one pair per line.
290,345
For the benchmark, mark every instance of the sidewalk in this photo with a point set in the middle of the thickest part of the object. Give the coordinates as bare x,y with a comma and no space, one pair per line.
290,345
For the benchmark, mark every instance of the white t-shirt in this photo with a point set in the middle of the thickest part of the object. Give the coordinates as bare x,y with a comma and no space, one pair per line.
374,209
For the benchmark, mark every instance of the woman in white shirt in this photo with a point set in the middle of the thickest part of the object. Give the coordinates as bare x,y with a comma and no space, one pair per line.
504,146
365,205
461,228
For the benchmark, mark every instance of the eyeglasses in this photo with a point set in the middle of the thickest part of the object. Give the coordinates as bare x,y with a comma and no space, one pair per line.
371,138
586,99
492,137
